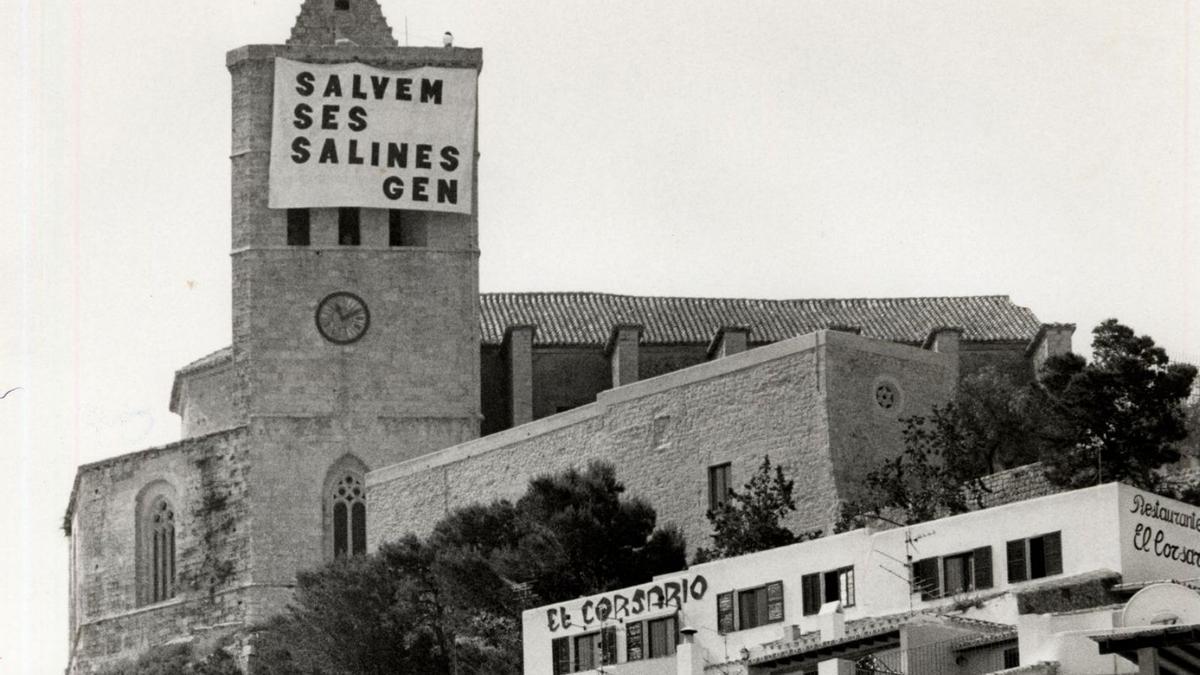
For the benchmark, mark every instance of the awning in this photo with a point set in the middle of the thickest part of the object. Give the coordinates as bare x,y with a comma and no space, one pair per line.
1176,648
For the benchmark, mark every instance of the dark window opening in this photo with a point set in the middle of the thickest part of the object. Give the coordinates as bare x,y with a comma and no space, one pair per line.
719,478
1012,657
560,650
957,571
1035,557
832,586
348,230
342,5
405,230
953,574
297,227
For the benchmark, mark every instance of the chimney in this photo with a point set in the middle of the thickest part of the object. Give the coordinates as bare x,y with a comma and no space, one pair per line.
1052,339
518,348
728,340
832,624
622,352
946,340
689,659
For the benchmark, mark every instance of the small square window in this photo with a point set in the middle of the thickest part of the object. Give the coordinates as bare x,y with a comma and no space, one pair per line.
348,230
341,5
297,227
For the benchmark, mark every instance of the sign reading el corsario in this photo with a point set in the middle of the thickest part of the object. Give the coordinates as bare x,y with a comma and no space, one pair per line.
349,134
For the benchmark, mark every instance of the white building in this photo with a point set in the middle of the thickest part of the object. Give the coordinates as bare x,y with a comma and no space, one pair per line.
1039,584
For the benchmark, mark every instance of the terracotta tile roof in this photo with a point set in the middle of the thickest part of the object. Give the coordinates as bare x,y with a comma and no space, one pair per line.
983,632
588,318
1017,484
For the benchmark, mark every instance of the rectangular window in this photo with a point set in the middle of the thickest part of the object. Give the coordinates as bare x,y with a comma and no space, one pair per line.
760,606
596,649
348,230
663,634
341,5
634,640
810,591
831,586
957,572
719,477
405,230
1035,557
953,574
560,651
297,227
725,613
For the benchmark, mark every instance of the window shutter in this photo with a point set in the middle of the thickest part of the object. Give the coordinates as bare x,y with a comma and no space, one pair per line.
608,646
1016,561
561,651
983,567
725,612
926,579
1053,544
810,593
775,601
633,641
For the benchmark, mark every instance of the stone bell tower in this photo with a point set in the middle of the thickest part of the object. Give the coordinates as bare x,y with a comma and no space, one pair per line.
355,322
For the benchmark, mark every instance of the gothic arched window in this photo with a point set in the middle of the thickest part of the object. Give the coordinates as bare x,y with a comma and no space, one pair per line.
349,517
346,509
156,544
162,550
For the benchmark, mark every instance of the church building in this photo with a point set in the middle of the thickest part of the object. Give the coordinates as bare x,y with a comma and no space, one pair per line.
370,386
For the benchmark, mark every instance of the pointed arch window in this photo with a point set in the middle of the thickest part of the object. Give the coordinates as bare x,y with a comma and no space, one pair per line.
349,516
344,503
156,554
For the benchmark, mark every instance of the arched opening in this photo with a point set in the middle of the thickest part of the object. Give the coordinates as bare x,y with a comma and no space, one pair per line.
345,507
155,546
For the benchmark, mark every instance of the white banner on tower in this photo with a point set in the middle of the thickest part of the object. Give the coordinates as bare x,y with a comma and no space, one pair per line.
348,134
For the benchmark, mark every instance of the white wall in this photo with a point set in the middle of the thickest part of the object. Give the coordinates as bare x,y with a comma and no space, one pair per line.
1096,535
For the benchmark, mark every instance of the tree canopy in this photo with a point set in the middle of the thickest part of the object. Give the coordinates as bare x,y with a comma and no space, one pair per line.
451,602
1119,417
1122,411
752,519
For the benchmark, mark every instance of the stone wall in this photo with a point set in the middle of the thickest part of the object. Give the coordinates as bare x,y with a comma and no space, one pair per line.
863,429
206,398
208,476
662,435
570,376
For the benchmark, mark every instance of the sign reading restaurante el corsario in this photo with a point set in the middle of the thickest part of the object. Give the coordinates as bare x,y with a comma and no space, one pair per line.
349,134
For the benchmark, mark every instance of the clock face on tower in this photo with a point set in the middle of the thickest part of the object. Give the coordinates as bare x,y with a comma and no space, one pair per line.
342,318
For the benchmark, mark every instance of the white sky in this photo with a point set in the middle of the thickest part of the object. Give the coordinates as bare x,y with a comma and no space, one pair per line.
777,149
